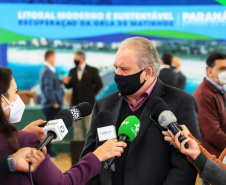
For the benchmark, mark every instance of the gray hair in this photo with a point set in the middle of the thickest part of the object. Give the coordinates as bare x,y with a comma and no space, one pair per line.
80,53
147,54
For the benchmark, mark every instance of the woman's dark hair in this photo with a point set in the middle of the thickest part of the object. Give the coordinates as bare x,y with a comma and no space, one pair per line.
6,128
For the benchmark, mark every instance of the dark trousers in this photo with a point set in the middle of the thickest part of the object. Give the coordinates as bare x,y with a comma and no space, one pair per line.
50,114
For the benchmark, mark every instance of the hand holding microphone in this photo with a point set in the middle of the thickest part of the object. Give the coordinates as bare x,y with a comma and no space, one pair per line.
56,130
166,118
128,131
106,132
36,128
109,149
193,151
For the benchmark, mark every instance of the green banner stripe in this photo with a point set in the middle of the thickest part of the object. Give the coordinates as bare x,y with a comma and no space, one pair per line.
8,37
223,2
172,34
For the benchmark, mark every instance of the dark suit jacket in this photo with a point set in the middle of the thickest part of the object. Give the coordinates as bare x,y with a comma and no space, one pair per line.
212,117
150,160
169,77
52,91
181,81
86,89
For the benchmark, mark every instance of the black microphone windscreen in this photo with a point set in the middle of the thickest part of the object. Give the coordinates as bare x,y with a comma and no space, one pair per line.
104,118
157,105
85,109
66,116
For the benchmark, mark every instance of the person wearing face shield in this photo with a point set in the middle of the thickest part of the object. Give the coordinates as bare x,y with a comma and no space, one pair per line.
210,96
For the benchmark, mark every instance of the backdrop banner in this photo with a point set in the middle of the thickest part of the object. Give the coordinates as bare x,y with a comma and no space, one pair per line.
111,23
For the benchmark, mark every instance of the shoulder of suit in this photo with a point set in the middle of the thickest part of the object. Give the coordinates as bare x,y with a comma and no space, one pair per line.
91,67
205,89
73,69
181,74
177,92
109,97
45,69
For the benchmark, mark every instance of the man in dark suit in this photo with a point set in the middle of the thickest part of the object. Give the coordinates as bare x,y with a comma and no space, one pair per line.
167,74
85,82
148,159
176,62
52,91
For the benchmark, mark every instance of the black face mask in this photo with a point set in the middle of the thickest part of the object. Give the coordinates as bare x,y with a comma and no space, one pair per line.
76,62
130,84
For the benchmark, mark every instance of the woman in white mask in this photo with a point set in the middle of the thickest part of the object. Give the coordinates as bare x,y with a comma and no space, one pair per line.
15,109
11,111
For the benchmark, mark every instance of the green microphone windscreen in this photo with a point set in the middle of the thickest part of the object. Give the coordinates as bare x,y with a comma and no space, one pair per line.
129,127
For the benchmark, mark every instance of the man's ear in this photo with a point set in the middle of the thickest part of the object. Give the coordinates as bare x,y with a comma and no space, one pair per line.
209,72
148,73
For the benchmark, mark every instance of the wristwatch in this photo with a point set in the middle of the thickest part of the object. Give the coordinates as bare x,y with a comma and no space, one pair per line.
12,167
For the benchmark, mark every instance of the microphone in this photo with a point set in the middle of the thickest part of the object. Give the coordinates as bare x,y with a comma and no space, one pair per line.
105,132
78,112
81,110
56,130
166,118
128,131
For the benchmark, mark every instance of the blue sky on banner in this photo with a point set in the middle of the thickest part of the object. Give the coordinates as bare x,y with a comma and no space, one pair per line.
119,2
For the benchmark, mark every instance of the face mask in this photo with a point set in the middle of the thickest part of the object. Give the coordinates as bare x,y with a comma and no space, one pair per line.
130,84
76,62
16,109
222,77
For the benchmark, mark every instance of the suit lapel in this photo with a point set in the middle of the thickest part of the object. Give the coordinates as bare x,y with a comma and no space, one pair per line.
85,72
115,109
145,121
75,75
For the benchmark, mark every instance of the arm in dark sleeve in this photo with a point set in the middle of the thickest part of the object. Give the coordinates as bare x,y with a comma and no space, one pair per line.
212,172
97,81
205,154
183,172
4,168
69,85
90,144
